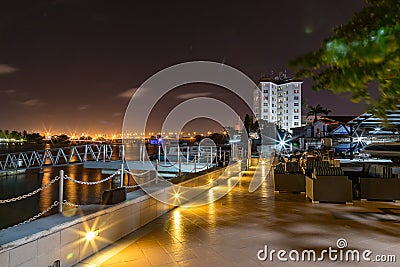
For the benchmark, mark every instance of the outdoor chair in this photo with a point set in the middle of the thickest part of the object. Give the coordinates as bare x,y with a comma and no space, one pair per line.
329,184
288,178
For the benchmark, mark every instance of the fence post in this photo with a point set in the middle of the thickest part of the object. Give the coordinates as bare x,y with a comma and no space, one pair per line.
61,191
85,155
165,155
156,171
180,163
122,153
187,155
104,153
211,155
121,184
144,152
159,152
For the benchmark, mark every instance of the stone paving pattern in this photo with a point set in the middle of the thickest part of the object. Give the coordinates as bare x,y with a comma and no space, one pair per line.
231,230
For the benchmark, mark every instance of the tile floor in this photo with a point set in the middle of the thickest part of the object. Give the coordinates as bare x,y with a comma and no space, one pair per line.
231,231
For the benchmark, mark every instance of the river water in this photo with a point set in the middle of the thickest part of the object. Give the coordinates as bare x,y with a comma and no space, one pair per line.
15,185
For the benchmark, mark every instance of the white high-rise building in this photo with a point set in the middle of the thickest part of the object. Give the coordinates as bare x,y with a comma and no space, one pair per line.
279,101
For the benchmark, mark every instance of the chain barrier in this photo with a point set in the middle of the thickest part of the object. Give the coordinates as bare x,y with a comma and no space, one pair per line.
65,202
2,201
55,204
91,183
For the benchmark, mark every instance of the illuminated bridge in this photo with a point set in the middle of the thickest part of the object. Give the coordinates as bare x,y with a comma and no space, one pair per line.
55,157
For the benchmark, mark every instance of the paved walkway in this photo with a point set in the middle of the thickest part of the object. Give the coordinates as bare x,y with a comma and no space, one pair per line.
231,231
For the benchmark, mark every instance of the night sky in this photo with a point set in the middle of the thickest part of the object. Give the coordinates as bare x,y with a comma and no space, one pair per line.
72,65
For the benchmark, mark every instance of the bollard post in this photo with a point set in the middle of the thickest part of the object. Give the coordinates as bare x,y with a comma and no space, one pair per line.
207,161
187,155
140,153
156,171
223,163
159,152
61,191
121,183
195,168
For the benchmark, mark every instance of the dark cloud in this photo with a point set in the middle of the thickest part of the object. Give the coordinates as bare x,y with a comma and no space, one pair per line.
7,69
67,52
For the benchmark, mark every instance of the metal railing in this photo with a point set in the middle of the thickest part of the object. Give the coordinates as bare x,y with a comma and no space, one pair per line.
55,157
61,201
96,156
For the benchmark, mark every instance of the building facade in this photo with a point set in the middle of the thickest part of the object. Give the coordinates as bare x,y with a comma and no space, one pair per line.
279,101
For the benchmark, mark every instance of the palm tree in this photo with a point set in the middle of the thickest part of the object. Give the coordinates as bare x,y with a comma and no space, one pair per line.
317,110
326,111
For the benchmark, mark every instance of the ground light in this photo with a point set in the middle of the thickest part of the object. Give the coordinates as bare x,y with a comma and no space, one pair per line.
91,235
176,195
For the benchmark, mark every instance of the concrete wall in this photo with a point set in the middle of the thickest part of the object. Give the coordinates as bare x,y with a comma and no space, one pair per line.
67,241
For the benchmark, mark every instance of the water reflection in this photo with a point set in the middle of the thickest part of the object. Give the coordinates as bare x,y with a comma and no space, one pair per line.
15,185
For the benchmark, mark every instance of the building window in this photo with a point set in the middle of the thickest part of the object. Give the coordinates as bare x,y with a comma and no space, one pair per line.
287,117
296,123
296,104
265,104
296,110
296,85
286,111
296,98
296,117
265,110
265,117
273,105
272,111
287,105
266,97
296,91
265,91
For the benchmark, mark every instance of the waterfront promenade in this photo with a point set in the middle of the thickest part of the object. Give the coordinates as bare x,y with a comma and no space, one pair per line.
231,231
